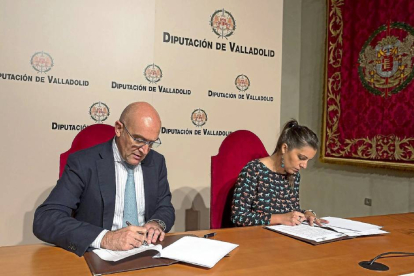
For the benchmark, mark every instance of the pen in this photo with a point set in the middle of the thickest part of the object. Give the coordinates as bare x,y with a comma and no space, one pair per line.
209,235
144,242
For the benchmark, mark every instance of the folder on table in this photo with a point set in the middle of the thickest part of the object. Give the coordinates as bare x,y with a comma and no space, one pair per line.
135,262
309,234
337,229
179,248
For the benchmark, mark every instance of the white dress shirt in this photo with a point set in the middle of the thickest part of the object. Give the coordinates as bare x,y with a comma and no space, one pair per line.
121,175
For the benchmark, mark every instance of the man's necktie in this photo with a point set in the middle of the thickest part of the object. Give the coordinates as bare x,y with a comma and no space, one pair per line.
130,200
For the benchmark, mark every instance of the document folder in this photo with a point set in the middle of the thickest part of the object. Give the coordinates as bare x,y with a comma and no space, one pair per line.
139,261
335,230
309,240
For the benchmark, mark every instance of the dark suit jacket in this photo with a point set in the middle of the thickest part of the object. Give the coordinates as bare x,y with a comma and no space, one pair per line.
82,203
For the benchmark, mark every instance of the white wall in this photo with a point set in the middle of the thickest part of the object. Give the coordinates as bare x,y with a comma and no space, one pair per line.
107,41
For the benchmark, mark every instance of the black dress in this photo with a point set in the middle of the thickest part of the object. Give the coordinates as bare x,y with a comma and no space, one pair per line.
260,192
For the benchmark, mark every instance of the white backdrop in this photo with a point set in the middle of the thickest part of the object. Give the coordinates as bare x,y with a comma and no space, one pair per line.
97,45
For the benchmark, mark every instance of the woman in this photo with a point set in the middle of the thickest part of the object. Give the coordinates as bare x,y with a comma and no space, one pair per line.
267,190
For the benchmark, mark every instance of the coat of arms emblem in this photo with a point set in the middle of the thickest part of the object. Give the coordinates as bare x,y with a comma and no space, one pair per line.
386,59
222,23
199,117
153,73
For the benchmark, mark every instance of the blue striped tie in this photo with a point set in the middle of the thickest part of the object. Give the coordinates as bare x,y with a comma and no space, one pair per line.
130,200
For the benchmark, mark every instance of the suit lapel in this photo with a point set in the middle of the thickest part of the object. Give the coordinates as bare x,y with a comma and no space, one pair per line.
150,189
107,183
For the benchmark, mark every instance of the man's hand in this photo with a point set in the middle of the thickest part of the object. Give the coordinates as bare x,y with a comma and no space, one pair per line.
124,239
154,232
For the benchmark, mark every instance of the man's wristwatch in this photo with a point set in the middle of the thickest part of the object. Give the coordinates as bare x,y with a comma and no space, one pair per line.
160,223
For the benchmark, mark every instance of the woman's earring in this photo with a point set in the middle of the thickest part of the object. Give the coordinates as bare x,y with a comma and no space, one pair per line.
283,162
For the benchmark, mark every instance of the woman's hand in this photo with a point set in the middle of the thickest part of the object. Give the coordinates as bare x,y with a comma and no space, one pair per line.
311,218
291,218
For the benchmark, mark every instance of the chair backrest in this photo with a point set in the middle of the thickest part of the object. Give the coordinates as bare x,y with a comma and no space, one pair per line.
235,151
86,138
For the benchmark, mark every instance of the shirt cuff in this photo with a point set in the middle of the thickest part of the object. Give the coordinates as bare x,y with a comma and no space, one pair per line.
97,242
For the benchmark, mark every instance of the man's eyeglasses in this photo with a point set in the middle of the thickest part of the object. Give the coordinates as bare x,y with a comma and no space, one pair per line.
141,142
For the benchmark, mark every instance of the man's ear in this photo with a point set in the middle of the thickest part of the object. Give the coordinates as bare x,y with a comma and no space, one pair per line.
118,127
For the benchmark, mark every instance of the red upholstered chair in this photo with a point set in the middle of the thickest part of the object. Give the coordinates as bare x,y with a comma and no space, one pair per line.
86,138
235,152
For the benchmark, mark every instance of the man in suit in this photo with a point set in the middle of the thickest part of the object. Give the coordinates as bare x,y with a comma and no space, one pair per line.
110,186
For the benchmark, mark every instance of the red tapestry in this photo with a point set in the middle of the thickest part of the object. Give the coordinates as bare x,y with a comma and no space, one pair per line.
369,89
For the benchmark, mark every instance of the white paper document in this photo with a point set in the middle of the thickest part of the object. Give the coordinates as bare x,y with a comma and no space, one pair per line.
114,256
338,228
350,224
193,250
352,233
316,234
197,251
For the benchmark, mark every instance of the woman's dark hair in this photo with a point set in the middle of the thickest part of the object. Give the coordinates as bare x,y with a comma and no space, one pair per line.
296,136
